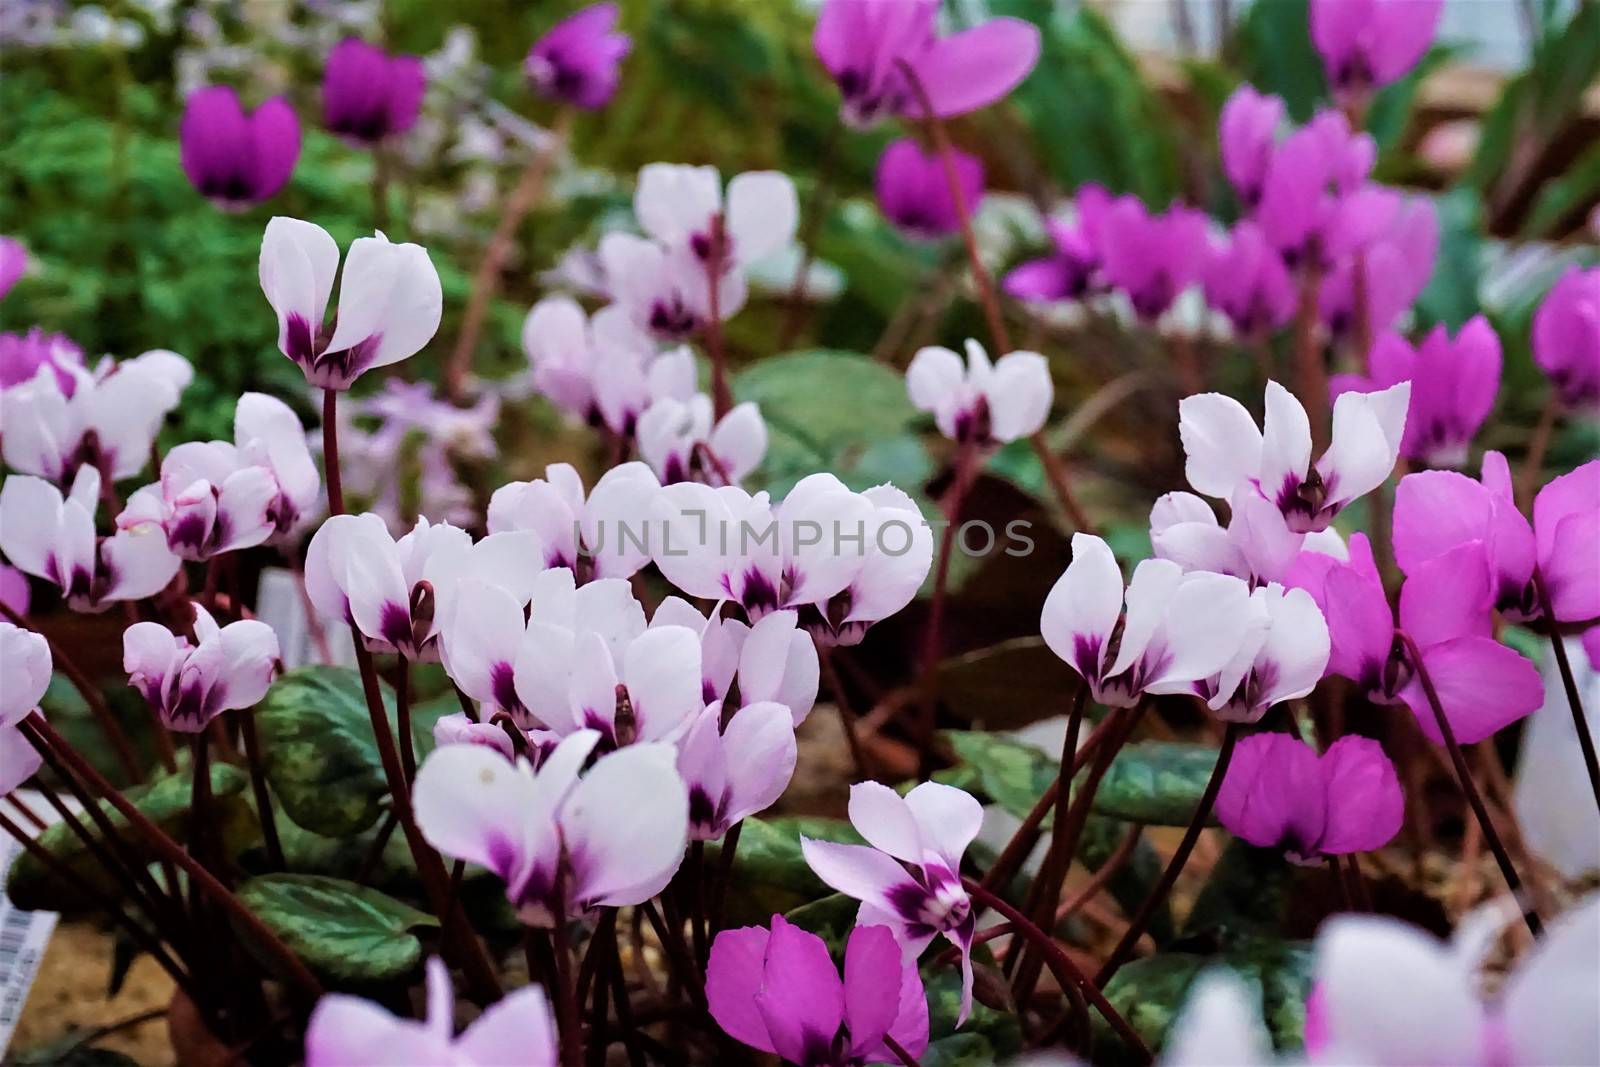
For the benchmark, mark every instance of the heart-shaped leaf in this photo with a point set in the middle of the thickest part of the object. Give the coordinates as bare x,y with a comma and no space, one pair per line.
346,932
1158,783
1012,774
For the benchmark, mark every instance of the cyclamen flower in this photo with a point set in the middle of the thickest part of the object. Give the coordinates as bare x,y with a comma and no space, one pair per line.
107,419
369,95
562,844
1316,203
348,1031
25,664
1246,279
1445,607
13,264
679,442
603,535
1072,270
1152,258
862,44
1566,337
1179,628
389,300
1436,511
909,879
779,992
1401,258
1247,131
774,660
1366,44
1224,450
1279,793
577,59
22,354
54,538
457,729
914,193
1387,992
233,159
1453,386
984,403
187,684
736,770
1283,657
14,592
1256,545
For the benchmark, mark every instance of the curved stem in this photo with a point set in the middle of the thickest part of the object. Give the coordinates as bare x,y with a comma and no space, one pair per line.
1158,894
1102,877
1066,972
258,785
1585,739
1464,777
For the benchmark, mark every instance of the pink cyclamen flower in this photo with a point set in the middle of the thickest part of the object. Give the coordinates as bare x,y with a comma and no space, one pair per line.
780,992
1283,656
1248,131
1387,992
13,263
369,95
22,354
1316,203
233,159
1072,270
1566,337
1399,260
1435,511
1445,608
389,300
1256,545
349,1031
1453,386
577,60
1279,793
108,418
563,844
863,44
774,661
26,665
982,402
1178,629
914,193
679,442
1246,279
736,770
1225,450
189,684
1153,258
457,729
53,538
1366,44
908,875
602,535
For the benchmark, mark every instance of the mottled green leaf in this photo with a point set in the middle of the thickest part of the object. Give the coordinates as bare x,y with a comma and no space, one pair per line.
830,918
942,983
344,931
1246,893
770,874
1158,783
1149,993
1283,970
1012,774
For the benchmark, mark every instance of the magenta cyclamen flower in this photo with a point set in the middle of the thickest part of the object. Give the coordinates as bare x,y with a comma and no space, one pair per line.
1316,203
1153,258
1435,511
1071,270
234,159
389,300
22,354
1280,794
1248,131
1453,386
862,43
563,844
577,59
1566,337
13,263
189,684
1247,280
909,879
914,193
981,402
1445,608
368,95
348,1031
780,992
1224,450
1402,256
1366,44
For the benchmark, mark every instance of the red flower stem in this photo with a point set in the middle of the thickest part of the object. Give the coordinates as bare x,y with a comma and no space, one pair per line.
120,744
967,466
1575,702
847,715
1311,373
330,452
900,1053
724,874
402,704
258,786
1061,966
567,1013
44,737
1538,445
1057,860
1102,877
677,953
721,396
1147,911
1054,472
1464,778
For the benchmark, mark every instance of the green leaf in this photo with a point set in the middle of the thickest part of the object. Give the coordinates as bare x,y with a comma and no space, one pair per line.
1132,882
1000,1030
165,802
770,874
1246,893
1149,993
1283,970
346,932
1012,774
1451,296
960,1050
1158,783
830,918
1276,55
1563,200
320,755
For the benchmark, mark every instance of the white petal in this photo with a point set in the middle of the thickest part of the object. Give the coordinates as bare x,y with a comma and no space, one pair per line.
935,375
30,510
1220,1026
1019,393
1208,618
1150,592
1285,441
674,200
948,818
662,672
1220,442
625,825
883,817
763,212
391,291
1367,428
1548,1003
298,263
1083,606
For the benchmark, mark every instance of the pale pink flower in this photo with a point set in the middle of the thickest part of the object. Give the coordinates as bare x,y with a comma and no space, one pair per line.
603,534
680,443
26,665
189,684
982,402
